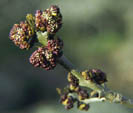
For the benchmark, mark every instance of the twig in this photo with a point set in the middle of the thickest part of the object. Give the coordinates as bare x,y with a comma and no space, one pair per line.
105,94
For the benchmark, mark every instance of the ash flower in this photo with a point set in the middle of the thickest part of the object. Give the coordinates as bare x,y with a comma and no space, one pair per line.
55,11
54,19
55,45
40,21
49,20
43,58
74,82
82,94
83,106
22,34
72,79
67,101
100,77
46,57
95,75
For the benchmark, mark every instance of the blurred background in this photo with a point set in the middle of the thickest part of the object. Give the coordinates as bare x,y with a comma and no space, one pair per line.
96,33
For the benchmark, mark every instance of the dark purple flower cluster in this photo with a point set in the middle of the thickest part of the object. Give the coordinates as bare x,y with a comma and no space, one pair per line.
46,57
49,20
21,34
43,58
95,75
74,87
73,82
68,101
76,93
26,33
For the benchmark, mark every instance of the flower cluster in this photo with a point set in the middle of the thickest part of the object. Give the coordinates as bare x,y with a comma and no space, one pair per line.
76,93
68,101
43,58
22,34
26,33
95,75
81,94
49,20
42,28
46,57
73,82
74,87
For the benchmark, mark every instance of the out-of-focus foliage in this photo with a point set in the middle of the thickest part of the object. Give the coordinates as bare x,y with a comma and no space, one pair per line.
96,33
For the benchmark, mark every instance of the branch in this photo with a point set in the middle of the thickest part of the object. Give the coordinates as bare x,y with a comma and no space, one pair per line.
105,94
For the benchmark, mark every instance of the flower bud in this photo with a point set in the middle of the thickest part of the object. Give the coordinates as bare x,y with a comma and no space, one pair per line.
99,76
72,79
95,75
67,101
55,11
83,106
82,94
31,20
74,82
